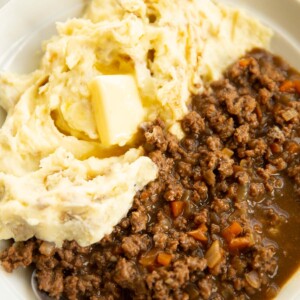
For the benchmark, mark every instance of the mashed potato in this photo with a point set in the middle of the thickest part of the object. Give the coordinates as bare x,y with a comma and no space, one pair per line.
71,199
56,180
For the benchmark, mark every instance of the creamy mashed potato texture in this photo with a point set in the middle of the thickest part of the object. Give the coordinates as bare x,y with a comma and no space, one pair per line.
57,180
70,199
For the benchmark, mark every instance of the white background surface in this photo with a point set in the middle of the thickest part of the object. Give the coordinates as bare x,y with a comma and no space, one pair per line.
25,23
2,2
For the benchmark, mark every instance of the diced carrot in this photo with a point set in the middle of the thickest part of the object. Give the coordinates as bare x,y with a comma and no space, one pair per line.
287,86
203,227
232,231
290,86
145,195
240,243
199,234
164,259
276,148
293,148
177,208
297,86
148,259
244,62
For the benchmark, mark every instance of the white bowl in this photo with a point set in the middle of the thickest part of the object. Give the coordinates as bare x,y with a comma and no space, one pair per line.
24,24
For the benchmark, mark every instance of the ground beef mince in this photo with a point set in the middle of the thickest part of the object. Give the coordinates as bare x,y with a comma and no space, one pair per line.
220,222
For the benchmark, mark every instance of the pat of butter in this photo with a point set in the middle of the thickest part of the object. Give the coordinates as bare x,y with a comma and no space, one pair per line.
117,108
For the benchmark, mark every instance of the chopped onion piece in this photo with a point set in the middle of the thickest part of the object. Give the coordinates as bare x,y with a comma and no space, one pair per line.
214,254
227,152
290,114
253,279
47,248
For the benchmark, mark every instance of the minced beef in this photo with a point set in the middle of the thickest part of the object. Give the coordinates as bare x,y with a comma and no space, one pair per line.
216,223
